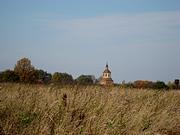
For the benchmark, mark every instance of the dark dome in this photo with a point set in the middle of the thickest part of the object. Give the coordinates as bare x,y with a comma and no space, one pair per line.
107,71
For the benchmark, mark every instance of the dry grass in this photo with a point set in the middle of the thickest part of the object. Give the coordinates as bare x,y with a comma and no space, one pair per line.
92,110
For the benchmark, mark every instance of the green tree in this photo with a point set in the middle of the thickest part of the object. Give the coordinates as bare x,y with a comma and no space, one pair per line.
62,78
160,85
48,78
9,76
26,71
56,77
84,80
66,78
171,85
1,76
43,76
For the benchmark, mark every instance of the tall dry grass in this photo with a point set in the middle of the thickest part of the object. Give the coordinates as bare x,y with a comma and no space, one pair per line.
91,110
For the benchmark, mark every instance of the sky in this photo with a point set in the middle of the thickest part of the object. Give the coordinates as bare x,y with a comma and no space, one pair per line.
140,39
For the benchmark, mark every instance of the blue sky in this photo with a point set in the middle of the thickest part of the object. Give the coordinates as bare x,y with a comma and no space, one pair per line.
139,38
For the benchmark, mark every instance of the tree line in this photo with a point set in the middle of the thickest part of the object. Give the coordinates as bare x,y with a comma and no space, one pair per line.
25,72
144,84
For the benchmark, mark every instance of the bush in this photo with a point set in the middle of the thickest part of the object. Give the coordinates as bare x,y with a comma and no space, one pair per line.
126,85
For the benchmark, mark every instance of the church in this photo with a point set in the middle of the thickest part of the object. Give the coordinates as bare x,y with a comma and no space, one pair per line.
106,77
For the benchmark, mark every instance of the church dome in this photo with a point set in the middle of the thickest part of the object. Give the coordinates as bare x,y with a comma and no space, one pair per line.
107,69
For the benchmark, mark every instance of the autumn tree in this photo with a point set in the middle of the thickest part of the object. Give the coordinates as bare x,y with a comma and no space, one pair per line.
25,71
143,84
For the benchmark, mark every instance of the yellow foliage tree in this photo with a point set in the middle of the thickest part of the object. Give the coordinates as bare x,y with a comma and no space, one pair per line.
25,70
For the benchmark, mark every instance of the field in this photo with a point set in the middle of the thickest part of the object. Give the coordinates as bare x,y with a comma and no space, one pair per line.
87,110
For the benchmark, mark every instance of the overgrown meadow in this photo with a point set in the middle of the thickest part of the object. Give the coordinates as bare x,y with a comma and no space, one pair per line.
87,110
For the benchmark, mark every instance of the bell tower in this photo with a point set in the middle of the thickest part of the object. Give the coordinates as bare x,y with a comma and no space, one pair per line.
106,77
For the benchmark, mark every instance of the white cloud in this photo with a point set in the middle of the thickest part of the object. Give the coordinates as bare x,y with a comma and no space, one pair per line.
125,28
